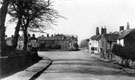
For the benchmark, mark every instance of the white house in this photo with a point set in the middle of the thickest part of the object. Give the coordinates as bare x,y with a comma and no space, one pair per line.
94,44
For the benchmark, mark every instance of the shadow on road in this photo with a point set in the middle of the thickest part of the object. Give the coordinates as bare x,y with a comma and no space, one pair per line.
83,66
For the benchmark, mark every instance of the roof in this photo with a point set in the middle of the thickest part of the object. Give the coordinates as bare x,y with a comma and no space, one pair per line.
50,38
96,37
57,38
9,38
124,33
111,37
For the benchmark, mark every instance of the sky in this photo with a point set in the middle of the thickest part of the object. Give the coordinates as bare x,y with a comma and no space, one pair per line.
83,16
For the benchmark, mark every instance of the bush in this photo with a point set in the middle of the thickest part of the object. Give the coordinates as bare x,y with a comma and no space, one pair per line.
19,61
130,53
76,46
117,49
126,53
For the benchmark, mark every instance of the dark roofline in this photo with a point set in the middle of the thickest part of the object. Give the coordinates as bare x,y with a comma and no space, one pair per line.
125,33
111,37
95,37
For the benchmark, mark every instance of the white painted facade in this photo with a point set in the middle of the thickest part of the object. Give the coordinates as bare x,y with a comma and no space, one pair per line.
93,43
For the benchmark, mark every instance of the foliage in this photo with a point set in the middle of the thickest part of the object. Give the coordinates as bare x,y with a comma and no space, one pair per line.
33,15
38,13
83,43
125,52
76,46
3,12
130,53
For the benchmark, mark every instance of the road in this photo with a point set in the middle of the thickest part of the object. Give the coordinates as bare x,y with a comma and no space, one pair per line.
80,65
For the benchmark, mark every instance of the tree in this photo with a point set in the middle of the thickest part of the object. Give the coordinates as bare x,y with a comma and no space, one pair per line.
15,8
76,46
37,12
33,14
3,12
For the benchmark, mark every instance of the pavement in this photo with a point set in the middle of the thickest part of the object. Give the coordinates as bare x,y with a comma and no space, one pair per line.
71,65
31,71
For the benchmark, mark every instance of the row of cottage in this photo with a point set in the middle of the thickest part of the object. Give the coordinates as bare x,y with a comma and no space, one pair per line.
58,41
103,43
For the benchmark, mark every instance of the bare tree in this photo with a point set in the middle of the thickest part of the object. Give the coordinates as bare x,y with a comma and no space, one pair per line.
15,8
3,12
34,15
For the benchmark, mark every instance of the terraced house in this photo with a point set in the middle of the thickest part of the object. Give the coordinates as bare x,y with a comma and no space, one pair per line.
58,41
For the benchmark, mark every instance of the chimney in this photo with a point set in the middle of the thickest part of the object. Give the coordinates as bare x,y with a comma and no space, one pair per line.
33,35
121,28
103,30
42,35
128,26
47,35
97,30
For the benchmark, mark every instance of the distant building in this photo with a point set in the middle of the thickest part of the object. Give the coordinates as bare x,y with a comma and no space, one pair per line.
32,43
59,41
102,43
94,44
94,41
107,42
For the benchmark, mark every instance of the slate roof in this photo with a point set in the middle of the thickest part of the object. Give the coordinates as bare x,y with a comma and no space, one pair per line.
125,33
111,37
96,37
9,38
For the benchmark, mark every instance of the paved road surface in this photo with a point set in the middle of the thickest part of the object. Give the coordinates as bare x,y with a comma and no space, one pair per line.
79,65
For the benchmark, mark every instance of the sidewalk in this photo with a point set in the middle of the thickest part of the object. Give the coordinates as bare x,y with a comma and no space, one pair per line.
31,71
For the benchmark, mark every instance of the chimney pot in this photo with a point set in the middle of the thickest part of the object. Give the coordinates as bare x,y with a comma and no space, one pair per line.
121,28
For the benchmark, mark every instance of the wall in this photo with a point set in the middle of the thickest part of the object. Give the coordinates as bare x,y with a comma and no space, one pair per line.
103,47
